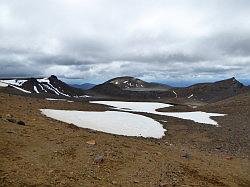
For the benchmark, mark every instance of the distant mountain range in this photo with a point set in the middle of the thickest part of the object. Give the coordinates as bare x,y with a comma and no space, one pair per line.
132,88
85,86
124,88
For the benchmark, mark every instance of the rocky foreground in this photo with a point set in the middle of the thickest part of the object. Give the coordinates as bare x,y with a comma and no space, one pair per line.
38,151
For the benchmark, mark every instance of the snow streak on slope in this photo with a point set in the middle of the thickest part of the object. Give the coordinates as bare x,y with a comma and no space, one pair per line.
23,90
35,89
175,94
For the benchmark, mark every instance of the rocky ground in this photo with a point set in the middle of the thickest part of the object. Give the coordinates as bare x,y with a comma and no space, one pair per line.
39,151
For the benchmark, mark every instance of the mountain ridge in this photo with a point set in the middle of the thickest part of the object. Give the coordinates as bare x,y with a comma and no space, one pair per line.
135,84
128,87
50,86
207,92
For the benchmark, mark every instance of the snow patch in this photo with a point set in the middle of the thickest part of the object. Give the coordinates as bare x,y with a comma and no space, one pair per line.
150,107
44,80
35,89
2,84
175,94
15,82
146,107
53,99
120,123
190,96
84,96
197,116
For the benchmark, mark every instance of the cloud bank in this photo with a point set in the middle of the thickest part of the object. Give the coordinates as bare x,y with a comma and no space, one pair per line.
101,39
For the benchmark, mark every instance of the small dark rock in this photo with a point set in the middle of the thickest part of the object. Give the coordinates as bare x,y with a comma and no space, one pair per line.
12,120
98,159
185,154
218,147
20,122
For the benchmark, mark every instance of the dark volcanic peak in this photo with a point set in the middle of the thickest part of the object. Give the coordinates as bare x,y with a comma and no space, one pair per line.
53,77
135,84
43,86
128,82
231,82
213,91
130,88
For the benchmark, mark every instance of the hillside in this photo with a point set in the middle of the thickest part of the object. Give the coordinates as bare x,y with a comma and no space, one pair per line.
212,92
50,86
48,152
132,88
134,84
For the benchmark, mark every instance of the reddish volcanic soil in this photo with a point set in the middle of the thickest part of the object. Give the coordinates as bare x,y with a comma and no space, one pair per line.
46,152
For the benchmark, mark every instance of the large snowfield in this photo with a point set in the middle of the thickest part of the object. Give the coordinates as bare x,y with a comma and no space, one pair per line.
120,123
125,123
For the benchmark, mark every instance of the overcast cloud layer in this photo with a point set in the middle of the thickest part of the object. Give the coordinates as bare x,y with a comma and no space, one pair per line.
149,39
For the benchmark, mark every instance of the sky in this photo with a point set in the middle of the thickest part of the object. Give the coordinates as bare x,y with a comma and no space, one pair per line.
155,40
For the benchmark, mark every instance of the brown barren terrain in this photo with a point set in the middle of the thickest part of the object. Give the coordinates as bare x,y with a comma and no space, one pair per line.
46,152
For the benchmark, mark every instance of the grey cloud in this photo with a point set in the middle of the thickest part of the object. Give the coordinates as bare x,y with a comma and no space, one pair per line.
164,58
216,70
99,39
234,42
14,69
